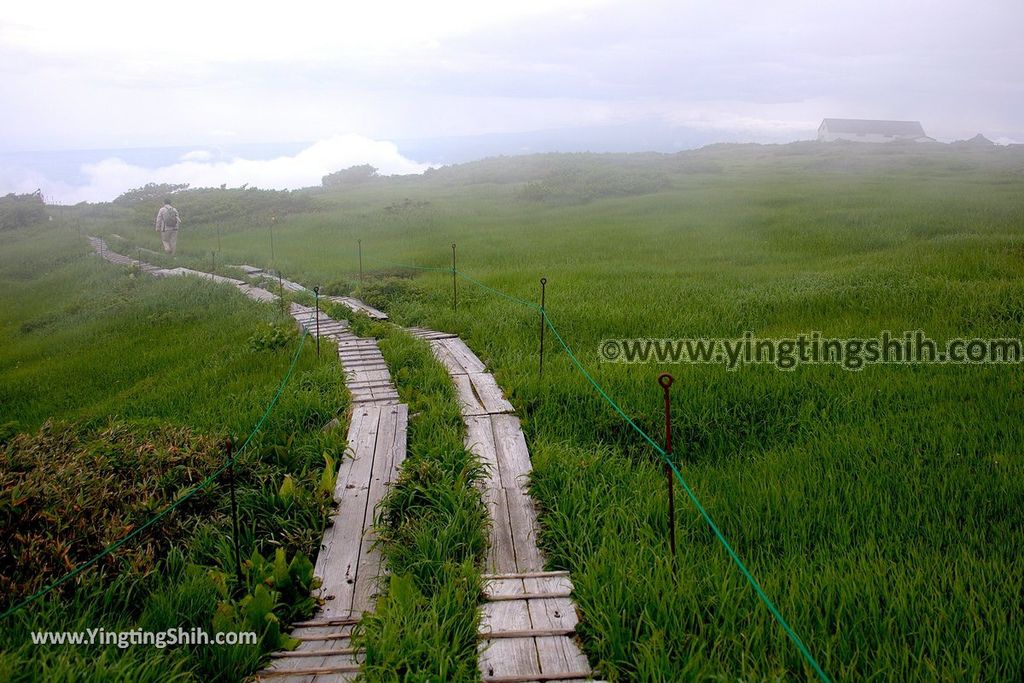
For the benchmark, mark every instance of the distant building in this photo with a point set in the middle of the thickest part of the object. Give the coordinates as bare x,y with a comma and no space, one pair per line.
866,130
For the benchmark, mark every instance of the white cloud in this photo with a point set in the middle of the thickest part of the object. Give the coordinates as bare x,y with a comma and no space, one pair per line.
111,177
197,155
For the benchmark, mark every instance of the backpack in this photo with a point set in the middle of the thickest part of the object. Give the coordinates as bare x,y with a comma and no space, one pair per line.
171,218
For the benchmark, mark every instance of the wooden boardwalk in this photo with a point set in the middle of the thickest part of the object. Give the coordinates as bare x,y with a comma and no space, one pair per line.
529,618
359,307
348,565
254,293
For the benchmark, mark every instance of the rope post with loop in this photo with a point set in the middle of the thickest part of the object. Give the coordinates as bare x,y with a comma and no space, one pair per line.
666,380
455,288
234,515
316,292
543,283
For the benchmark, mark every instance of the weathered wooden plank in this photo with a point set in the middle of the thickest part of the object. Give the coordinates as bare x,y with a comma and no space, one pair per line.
525,575
359,307
325,622
466,361
338,558
504,588
310,671
567,677
557,654
507,656
285,654
487,389
513,455
479,394
480,442
527,596
501,556
335,661
525,633
390,438
523,522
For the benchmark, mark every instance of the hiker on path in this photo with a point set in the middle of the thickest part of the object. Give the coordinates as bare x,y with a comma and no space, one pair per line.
167,224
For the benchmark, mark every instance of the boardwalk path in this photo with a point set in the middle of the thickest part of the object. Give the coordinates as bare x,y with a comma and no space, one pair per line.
347,564
528,614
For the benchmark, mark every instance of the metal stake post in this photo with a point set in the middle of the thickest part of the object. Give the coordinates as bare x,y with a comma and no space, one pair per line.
665,380
360,243
455,288
316,292
543,283
234,516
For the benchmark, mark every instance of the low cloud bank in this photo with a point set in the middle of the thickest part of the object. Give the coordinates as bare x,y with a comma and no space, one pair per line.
111,177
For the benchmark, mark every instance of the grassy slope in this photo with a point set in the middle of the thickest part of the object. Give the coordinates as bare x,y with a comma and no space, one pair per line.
880,509
84,343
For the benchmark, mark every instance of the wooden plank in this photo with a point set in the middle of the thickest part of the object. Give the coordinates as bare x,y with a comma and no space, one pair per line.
390,437
513,456
525,575
325,622
480,442
469,402
466,360
506,588
323,637
334,662
523,521
525,633
311,671
501,556
507,656
338,558
479,394
557,654
285,654
527,596
568,677
489,393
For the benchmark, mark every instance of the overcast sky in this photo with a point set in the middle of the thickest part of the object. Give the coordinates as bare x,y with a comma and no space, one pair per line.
86,75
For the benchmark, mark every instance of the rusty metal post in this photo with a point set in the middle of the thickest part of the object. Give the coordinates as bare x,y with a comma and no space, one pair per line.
665,380
455,288
360,243
273,261
234,515
316,292
543,283
213,262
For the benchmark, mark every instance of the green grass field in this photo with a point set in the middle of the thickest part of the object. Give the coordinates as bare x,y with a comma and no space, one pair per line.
879,509
117,392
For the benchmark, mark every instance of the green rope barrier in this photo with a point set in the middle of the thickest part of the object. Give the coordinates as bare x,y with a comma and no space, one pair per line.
167,510
700,508
408,265
497,291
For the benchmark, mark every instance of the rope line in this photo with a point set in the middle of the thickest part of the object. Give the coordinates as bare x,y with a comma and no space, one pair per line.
167,510
700,508
664,456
